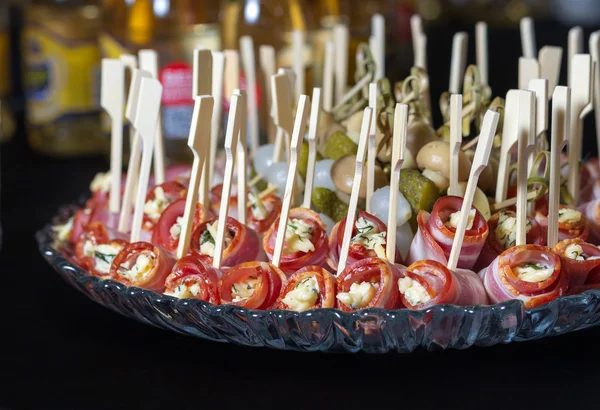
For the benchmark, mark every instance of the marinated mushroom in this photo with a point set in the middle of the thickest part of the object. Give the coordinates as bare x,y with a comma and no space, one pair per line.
342,174
417,135
353,125
434,162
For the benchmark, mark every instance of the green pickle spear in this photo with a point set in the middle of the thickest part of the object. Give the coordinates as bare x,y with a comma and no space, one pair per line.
338,145
327,202
303,160
420,192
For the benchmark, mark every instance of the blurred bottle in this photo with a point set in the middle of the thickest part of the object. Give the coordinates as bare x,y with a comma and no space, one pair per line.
7,125
172,28
61,76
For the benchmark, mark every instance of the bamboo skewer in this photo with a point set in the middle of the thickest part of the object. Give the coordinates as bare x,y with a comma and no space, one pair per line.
481,48
509,139
267,65
218,72
282,113
341,37
595,53
455,140
549,59
248,61
242,164
313,125
378,46
419,41
328,79
528,38
130,63
298,60
371,147
526,139
459,61
529,69
574,47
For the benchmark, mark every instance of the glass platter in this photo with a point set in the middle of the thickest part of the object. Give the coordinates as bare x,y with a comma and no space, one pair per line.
368,330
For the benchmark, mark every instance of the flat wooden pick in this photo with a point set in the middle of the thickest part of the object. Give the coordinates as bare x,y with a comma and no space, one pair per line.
358,173
341,37
398,149
561,110
249,64
526,139
198,138
111,99
455,140
313,125
416,28
298,60
282,112
529,69
509,139
130,63
549,59
202,81
328,73
231,140
480,161
481,49
574,47
528,38
297,137
267,66
232,71
540,87
215,130
145,122
371,147
595,53
459,61
135,153
378,34
242,163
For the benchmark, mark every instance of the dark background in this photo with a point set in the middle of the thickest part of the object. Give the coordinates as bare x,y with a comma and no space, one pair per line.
60,350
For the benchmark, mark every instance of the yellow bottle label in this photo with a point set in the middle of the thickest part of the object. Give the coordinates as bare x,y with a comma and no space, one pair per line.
5,66
110,47
61,76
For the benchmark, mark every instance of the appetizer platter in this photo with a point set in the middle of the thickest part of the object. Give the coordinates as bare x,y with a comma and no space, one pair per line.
358,226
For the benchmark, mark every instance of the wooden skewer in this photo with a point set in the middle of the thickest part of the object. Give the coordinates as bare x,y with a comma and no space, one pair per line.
146,122
561,111
595,53
313,125
242,164
540,87
232,71
111,99
549,59
455,140
419,40
298,60
371,147
249,63
511,202
267,65
509,139
528,38
526,140
481,49
360,84
199,137
328,80
341,38
574,47
149,61
378,34
282,113
358,172
297,137
218,72
459,61
529,69
581,96
480,161
130,63
398,149
231,141
135,153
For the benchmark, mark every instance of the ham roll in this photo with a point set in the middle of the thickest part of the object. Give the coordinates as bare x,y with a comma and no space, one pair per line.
305,241
252,285
241,243
167,230
435,235
369,283
263,212
311,287
579,259
158,199
428,283
368,240
530,273
571,223
591,210
97,248
502,235
192,278
143,265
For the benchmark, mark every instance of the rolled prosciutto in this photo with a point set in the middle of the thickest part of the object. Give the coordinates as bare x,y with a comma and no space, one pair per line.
305,241
368,283
167,230
503,234
253,285
435,235
571,223
263,212
97,248
368,240
158,199
530,273
591,210
241,243
192,278
579,259
143,265
428,283
311,287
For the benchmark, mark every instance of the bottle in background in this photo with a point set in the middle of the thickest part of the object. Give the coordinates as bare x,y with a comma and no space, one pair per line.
61,81
7,125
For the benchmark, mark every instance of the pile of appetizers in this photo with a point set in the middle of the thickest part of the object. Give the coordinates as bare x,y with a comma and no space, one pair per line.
358,205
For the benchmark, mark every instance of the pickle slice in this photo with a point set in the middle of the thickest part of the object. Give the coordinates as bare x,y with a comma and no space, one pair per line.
338,145
420,192
327,202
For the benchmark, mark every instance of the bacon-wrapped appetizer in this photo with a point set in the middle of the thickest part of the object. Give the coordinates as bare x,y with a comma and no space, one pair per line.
368,240
142,264
571,223
241,243
530,273
502,235
435,235
305,241
369,283
96,250
253,285
428,283
579,259
309,288
168,228
192,278
158,199
262,212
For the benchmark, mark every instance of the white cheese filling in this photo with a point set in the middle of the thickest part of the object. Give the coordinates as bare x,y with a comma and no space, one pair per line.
568,216
155,207
208,239
359,295
506,231
533,272
143,265
175,230
183,291
413,291
298,236
259,212
575,251
101,182
370,237
304,296
242,290
105,254
452,221
63,231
